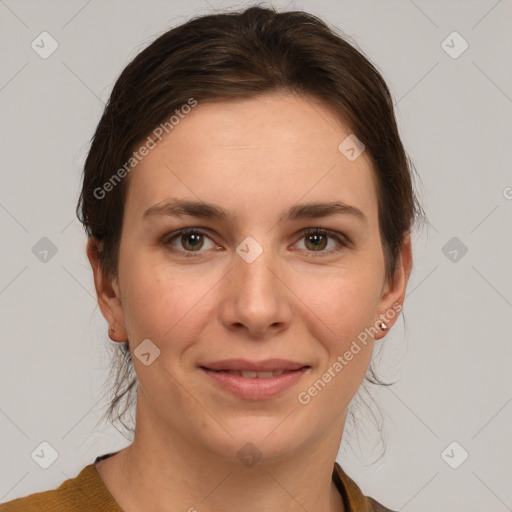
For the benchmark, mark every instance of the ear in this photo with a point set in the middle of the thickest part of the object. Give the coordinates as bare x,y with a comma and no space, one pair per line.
393,293
107,291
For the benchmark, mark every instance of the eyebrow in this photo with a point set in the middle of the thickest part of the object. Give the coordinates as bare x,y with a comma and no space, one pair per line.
177,207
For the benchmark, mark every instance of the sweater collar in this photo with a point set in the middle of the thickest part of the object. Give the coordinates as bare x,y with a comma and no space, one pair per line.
353,498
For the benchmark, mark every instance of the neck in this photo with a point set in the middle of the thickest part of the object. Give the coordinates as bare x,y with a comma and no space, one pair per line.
165,472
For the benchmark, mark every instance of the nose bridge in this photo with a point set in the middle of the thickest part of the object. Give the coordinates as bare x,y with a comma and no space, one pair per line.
258,276
255,269
256,299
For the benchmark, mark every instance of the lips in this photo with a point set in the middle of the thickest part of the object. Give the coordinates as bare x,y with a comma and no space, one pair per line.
251,380
253,375
243,365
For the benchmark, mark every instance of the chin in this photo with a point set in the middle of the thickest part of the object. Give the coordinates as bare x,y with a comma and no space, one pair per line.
265,438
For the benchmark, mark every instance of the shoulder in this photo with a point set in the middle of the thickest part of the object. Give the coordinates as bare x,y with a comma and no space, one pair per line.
86,492
353,498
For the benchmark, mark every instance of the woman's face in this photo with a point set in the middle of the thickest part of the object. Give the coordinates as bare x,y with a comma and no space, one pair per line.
249,286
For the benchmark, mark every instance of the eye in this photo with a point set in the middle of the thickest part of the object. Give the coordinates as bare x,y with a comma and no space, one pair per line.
191,240
317,239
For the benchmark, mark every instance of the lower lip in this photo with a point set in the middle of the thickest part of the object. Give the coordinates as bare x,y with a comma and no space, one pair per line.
254,388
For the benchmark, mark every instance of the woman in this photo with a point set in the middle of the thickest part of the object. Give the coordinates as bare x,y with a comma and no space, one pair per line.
248,204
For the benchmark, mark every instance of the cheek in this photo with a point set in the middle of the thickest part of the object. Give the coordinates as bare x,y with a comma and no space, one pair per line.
339,311
340,319
163,302
342,302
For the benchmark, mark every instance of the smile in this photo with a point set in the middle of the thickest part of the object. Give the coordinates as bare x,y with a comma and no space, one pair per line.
253,375
255,381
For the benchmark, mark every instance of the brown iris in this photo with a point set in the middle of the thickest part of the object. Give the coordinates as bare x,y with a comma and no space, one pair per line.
193,240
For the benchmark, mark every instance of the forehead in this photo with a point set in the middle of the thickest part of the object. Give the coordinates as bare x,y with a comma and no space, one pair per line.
256,155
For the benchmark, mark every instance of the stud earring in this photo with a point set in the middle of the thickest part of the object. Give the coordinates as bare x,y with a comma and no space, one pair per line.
111,329
383,326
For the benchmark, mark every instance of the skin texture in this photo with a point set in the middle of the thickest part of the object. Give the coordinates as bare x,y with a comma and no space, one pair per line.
254,158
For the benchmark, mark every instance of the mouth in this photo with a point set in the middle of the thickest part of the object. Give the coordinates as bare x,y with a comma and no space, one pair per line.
255,380
250,374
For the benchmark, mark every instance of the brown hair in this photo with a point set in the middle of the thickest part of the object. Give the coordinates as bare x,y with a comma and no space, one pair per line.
236,55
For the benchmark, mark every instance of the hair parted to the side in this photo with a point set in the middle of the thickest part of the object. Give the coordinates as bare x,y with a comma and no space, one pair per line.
238,55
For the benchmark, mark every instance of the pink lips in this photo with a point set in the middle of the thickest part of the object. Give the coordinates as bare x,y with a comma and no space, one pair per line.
255,380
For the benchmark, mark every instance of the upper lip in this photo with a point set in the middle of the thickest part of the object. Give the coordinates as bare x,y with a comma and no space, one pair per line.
268,365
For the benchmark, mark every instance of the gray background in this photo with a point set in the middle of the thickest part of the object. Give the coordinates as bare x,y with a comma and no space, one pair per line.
452,360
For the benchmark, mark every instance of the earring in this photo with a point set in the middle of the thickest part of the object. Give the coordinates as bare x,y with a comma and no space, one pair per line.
383,326
111,329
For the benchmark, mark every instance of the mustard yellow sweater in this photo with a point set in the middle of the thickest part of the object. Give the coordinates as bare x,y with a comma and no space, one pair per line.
87,493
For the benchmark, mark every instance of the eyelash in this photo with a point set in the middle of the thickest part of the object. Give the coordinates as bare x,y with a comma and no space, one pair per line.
341,239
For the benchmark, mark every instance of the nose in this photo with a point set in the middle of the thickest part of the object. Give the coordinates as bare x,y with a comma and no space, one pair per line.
257,301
